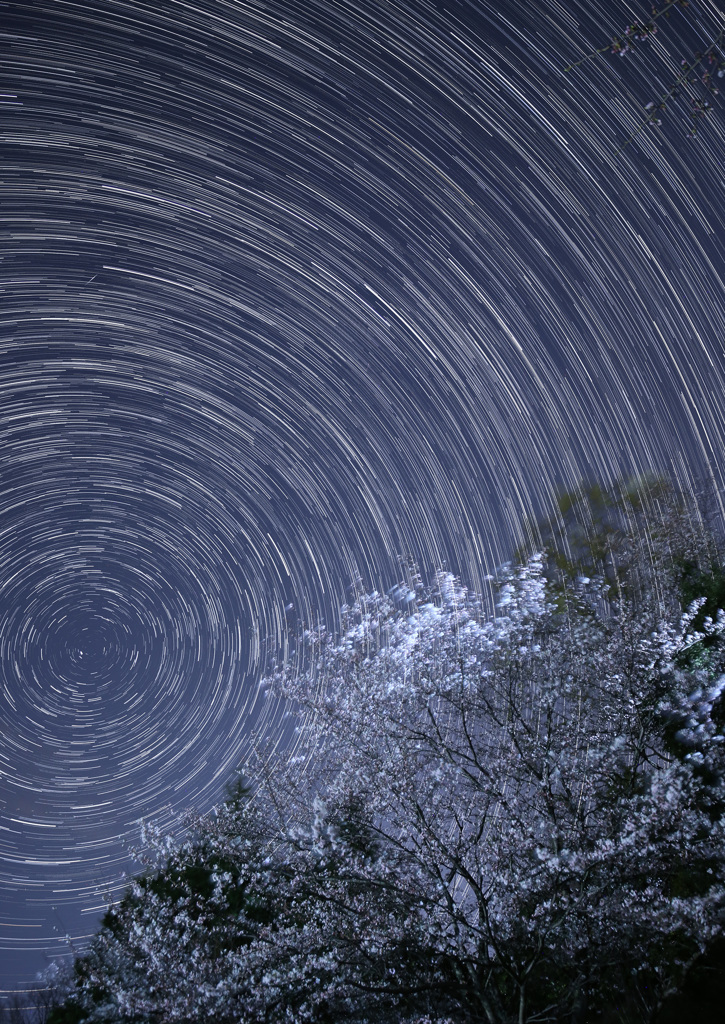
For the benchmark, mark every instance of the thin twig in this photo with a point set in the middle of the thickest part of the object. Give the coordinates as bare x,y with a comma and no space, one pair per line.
612,44
682,79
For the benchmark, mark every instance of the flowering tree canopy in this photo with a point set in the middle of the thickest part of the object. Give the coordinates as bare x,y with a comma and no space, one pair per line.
503,817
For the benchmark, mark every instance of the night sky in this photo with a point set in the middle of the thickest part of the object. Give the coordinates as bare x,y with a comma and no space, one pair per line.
289,291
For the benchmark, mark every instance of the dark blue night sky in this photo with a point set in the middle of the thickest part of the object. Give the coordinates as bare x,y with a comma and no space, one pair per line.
288,291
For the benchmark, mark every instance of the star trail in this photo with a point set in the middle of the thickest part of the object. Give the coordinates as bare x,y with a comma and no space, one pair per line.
291,291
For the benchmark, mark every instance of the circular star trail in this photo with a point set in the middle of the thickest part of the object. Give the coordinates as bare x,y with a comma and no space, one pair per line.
290,291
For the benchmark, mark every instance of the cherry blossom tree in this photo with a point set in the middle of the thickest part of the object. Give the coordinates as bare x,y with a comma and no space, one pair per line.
507,817
548,780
